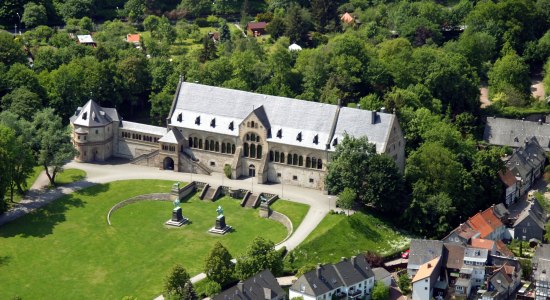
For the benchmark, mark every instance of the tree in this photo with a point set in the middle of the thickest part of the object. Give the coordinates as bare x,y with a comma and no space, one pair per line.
225,33
10,50
208,51
22,102
174,284
34,15
135,10
196,8
7,141
211,288
276,27
356,165
405,283
218,265
510,73
51,143
260,255
75,9
188,292
346,199
86,24
380,291
324,14
297,24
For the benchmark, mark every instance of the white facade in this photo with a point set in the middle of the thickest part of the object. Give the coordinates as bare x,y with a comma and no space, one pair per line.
421,289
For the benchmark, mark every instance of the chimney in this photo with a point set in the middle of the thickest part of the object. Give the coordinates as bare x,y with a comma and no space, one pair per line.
240,286
382,109
354,261
373,117
318,270
429,265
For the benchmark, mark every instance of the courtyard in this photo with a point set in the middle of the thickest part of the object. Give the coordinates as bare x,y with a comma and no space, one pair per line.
67,250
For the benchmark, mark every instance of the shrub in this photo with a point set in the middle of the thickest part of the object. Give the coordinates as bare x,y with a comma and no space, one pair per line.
405,283
213,21
207,288
202,22
227,170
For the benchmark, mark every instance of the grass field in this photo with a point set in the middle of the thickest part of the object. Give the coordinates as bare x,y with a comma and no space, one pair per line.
67,251
341,236
69,175
294,211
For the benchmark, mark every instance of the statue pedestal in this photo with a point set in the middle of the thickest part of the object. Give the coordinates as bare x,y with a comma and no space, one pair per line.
177,219
220,227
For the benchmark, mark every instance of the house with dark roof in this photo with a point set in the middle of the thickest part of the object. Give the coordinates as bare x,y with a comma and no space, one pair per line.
273,139
531,222
462,234
453,260
262,286
500,285
382,275
352,278
421,252
256,28
514,133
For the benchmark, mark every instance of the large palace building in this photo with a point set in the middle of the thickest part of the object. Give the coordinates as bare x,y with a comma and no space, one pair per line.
274,139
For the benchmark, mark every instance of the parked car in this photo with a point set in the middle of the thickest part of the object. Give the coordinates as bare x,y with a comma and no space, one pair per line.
405,254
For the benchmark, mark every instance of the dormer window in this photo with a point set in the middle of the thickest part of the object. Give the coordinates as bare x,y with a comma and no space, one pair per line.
231,126
213,123
180,117
335,142
198,120
85,115
299,137
280,133
316,139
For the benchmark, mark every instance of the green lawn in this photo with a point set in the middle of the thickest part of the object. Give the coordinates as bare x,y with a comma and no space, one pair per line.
67,251
294,211
69,176
341,236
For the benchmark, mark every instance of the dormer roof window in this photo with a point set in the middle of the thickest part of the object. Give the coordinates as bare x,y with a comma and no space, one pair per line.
231,126
213,123
299,137
180,117
335,142
280,133
198,120
316,139
85,115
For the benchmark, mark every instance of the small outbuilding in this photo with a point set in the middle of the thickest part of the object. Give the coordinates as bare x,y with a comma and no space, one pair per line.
256,28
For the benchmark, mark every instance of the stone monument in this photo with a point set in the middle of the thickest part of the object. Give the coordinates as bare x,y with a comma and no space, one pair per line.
220,227
177,216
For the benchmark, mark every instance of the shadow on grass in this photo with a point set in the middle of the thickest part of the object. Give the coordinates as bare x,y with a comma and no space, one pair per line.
4,260
42,221
361,226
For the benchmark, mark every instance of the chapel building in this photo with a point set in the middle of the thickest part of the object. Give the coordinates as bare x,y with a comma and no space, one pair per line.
274,139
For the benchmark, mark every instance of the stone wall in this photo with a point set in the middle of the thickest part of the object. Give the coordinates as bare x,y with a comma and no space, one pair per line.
295,175
279,217
146,197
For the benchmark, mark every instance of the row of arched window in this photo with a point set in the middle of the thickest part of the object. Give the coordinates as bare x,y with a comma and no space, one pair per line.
252,150
295,159
211,145
135,136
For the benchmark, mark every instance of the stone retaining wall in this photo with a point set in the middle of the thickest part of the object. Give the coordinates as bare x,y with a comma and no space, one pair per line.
283,219
146,197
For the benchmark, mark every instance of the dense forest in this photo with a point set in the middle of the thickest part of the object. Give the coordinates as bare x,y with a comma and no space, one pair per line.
423,60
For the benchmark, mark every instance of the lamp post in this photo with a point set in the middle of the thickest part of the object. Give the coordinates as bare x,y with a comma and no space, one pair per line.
18,16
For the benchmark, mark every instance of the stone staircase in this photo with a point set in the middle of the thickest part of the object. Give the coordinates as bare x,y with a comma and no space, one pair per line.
199,167
145,159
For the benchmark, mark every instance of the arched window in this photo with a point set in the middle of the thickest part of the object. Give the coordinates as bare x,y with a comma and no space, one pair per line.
258,139
223,147
190,142
308,162
319,164
253,137
247,124
195,142
211,145
295,159
276,156
259,150
248,137
252,124
313,162
289,159
245,147
300,161
233,148
282,157
228,148
253,150
271,155
206,145
217,147
200,143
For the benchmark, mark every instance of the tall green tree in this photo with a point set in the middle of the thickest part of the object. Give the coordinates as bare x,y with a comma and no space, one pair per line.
259,255
34,15
51,142
174,284
324,15
75,9
218,265
297,24
380,291
10,50
510,73
7,142
188,292
196,8
135,10
346,199
22,102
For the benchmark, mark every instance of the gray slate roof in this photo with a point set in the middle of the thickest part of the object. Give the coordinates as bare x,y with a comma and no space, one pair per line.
380,273
258,287
513,133
331,277
292,116
422,251
172,137
543,271
542,252
535,212
93,115
526,158
143,128
476,253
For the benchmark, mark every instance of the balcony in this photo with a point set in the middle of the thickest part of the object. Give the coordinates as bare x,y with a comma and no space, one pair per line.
354,294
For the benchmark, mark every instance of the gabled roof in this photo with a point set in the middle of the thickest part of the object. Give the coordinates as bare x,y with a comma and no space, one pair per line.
92,115
500,281
256,25
483,243
133,38
85,39
314,121
503,250
535,212
454,256
380,274
422,251
513,133
427,269
326,278
526,158
507,177
143,128
464,231
500,211
347,18
172,137
260,286
485,222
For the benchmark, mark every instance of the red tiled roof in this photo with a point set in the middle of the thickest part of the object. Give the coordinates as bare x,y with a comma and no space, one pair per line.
477,222
501,247
256,25
507,177
482,243
347,18
132,38
491,218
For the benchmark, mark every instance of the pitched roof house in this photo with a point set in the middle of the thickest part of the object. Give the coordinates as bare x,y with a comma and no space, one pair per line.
513,133
352,278
462,234
488,225
531,221
425,279
421,252
256,28
347,18
262,286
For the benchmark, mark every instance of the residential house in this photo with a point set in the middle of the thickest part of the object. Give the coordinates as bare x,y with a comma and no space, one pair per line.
513,133
86,39
530,223
462,234
453,261
256,28
503,250
488,225
382,275
421,252
511,185
134,38
351,278
262,286
425,279
490,245
511,266
475,260
347,18
499,286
